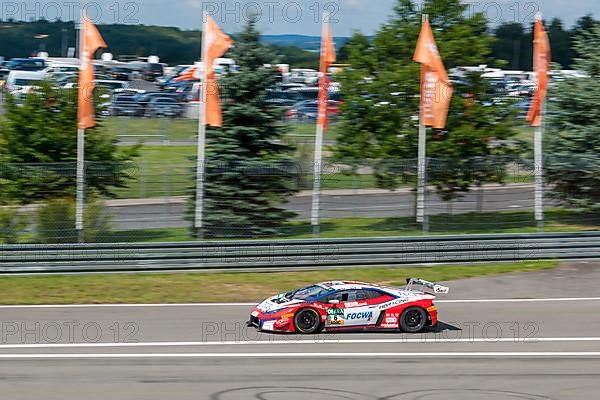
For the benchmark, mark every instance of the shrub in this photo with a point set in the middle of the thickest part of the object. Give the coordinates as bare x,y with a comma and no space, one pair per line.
12,224
56,221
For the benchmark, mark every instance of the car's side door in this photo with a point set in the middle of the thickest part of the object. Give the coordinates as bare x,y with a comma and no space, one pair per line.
353,309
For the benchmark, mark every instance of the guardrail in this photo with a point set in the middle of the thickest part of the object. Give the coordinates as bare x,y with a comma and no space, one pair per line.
295,254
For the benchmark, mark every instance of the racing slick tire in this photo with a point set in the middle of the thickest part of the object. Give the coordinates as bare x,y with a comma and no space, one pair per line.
307,321
413,320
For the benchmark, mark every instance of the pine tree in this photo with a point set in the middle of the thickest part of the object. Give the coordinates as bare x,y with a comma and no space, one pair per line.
249,173
573,138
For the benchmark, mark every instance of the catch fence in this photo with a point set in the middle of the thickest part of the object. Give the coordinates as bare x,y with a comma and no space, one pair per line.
154,202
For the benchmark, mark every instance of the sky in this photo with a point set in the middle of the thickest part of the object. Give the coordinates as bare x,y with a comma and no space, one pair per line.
279,16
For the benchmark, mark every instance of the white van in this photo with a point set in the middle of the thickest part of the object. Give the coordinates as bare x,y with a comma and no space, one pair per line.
24,80
55,69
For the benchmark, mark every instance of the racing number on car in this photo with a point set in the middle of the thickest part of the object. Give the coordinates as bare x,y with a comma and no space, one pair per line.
335,316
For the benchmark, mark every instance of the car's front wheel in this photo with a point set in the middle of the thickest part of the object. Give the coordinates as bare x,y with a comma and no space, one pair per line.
413,320
307,321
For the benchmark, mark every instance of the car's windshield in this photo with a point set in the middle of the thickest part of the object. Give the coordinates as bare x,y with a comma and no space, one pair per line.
27,82
309,292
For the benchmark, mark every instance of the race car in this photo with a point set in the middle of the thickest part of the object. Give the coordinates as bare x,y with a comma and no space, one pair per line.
344,306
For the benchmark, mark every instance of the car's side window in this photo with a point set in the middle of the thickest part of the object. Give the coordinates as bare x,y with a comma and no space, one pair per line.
359,295
341,296
373,294
352,295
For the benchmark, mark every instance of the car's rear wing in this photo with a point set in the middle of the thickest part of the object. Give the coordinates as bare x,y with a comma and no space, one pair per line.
438,289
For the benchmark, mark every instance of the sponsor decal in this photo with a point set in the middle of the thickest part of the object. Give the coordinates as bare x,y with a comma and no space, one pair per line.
287,316
335,311
255,313
360,315
432,308
282,323
268,325
335,316
390,321
393,303
351,304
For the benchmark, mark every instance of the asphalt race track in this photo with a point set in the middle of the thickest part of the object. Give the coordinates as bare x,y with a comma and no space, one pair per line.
493,348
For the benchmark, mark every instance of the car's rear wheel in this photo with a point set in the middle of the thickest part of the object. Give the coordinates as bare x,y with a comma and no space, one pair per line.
307,321
413,320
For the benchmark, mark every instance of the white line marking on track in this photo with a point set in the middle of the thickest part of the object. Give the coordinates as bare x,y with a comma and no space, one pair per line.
303,355
254,304
298,342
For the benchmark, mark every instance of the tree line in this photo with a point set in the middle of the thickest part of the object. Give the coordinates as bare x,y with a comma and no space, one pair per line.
510,48
173,45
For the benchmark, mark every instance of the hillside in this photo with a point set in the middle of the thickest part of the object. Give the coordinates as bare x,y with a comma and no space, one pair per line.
172,45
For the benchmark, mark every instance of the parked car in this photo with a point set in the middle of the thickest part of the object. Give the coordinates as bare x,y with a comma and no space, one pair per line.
145,97
26,64
112,85
23,80
305,93
3,76
125,104
54,70
308,110
163,107
119,73
152,71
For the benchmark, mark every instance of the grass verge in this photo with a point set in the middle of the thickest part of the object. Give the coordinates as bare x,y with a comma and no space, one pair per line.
220,287
472,223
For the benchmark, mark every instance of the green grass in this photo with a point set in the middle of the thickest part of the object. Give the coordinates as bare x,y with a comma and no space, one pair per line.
474,223
151,129
220,287
167,171
308,132
161,171
183,129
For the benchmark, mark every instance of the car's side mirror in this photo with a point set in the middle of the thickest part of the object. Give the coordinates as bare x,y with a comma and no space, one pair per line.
334,302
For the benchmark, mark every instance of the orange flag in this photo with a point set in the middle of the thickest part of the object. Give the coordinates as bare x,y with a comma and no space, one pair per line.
436,90
327,58
187,75
91,40
541,65
216,43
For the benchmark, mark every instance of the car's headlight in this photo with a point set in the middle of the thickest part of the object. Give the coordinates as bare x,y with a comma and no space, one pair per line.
275,311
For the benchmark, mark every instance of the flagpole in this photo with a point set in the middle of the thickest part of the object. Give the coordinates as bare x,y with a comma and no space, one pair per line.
421,162
316,197
80,201
539,172
201,156
80,179
317,180
539,162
